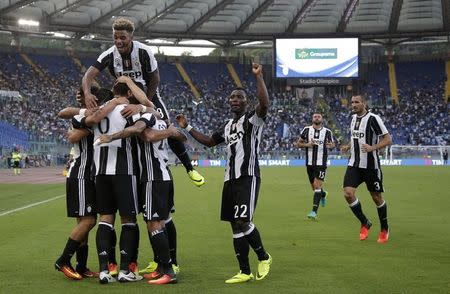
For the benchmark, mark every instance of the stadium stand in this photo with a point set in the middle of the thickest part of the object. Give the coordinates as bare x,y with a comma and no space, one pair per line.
421,86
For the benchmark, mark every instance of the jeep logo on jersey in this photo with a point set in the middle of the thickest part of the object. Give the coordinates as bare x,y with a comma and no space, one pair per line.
233,138
317,142
357,135
131,74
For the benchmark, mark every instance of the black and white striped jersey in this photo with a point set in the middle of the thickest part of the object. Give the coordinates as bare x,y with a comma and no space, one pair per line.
118,157
137,65
153,157
82,164
242,137
365,130
318,154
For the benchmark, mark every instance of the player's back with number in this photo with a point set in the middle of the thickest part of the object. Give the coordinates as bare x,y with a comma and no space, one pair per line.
116,157
154,155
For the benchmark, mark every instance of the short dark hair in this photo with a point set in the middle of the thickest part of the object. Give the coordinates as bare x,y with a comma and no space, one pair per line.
363,97
120,89
104,95
240,89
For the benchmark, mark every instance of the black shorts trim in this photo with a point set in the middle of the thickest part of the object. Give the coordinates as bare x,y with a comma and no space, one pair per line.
16,164
80,197
239,198
316,172
156,198
117,192
373,178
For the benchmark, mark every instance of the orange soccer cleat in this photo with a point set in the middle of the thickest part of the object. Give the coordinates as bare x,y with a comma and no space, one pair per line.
164,279
364,232
383,237
68,271
153,275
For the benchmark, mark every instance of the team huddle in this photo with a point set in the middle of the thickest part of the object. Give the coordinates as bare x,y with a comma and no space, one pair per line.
121,142
121,139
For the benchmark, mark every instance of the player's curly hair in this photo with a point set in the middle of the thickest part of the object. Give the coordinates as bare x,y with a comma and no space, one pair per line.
123,24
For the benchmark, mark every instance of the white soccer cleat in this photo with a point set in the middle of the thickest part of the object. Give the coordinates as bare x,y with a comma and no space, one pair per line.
128,276
105,277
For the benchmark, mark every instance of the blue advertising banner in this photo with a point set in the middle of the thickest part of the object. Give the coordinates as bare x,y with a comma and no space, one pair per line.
333,162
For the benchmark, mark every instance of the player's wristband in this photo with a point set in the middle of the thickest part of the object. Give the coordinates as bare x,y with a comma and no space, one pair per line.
188,128
82,111
144,109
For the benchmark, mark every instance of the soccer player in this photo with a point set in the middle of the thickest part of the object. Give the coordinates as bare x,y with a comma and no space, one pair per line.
136,60
155,187
316,139
80,193
242,135
169,227
445,156
77,113
368,135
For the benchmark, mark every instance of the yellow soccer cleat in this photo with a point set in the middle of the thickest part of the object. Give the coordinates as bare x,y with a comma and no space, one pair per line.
263,268
197,178
239,278
176,269
149,269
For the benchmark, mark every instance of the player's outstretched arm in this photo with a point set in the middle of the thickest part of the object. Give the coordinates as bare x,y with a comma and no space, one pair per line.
151,135
68,112
261,91
135,129
198,136
100,114
86,82
75,135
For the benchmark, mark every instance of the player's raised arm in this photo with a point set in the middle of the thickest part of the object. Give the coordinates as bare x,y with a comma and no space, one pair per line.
208,141
261,91
136,91
88,78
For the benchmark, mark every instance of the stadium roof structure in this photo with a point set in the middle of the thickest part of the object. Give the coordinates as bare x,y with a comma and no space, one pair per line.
231,22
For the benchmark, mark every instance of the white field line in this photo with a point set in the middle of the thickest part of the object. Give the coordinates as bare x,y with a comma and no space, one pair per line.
30,205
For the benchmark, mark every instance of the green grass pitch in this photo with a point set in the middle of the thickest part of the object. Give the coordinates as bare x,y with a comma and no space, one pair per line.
324,256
